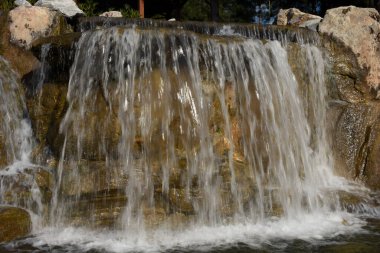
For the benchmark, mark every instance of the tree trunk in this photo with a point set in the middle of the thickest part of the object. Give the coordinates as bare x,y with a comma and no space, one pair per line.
141,8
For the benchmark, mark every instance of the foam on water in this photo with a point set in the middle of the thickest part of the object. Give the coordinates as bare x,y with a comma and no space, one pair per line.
311,228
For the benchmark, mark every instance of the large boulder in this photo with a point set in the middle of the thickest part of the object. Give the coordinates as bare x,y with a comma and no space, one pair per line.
66,7
359,30
14,223
295,17
27,24
22,61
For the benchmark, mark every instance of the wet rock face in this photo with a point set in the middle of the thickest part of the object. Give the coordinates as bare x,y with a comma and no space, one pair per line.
46,110
354,121
30,23
14,223
356,142
352,125
359,30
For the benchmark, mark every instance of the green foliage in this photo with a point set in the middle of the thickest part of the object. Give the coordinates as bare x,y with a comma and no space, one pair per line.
6,5
229,10
129,12
88,7
197,10
236,10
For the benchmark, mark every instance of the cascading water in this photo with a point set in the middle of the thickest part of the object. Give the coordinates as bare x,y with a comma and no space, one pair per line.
15,131
213,128
175,139
18,186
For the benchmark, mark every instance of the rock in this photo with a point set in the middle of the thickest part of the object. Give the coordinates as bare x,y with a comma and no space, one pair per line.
112,14
30,188
14,223
104,212
345,75
356,143
22,2
21,60
295,17
46,110
66,7
359,30
96,178
372,169
27,24
181,201
311,24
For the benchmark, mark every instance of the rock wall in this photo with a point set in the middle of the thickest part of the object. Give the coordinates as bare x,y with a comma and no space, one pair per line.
356,78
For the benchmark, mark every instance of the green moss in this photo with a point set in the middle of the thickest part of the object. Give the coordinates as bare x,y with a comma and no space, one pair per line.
14,223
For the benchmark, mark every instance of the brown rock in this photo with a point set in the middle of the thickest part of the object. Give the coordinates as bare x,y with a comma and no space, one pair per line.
96,178
46,111
27,24
295,17
18,188
21,60
359,30
14,223
372,169
356,143
181,201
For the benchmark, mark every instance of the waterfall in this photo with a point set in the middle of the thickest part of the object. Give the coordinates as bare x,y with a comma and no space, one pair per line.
15,130
18,186
173,136
216,128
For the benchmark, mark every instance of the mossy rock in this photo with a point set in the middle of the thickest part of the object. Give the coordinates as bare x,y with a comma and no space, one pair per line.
14,223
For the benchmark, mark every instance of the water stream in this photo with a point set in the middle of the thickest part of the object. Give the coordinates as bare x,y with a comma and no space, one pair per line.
18,186
174,140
